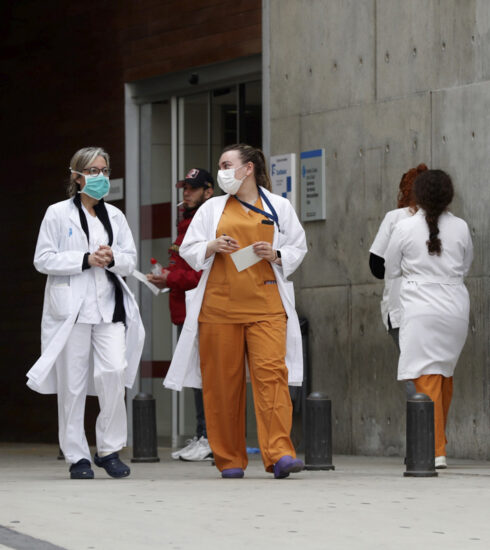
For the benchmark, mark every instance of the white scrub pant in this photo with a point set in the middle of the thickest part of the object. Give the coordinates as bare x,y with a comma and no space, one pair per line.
108,344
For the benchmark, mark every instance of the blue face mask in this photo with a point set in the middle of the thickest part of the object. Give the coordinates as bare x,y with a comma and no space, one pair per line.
96,187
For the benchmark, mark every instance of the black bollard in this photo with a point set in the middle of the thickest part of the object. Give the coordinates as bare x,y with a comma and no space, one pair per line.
144,429
318,440
420,437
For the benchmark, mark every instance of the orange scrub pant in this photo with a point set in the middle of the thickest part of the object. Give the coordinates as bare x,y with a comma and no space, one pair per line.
440,390
222,350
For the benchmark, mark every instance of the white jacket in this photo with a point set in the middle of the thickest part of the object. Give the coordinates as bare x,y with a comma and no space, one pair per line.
60,249
435,303
390,303
185,367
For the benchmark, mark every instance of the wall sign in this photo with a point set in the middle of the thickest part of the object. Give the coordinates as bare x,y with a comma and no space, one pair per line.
283,176
313,192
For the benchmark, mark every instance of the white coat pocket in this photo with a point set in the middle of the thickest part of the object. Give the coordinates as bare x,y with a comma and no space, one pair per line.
60,301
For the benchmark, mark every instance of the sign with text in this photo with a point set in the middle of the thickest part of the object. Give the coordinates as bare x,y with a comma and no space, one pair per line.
283,176
313,193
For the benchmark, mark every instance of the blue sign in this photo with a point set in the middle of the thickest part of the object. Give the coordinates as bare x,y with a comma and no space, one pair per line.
313,194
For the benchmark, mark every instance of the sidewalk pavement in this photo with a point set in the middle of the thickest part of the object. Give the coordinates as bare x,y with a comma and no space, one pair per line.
366,503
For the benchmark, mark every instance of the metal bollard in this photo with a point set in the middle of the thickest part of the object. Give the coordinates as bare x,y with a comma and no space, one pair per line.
318,439
420,437
144,429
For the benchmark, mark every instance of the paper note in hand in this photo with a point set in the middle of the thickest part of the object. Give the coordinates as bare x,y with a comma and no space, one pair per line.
142,278
245,257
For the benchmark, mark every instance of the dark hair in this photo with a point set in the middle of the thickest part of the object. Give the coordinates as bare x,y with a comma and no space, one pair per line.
256,157
405,193
433,192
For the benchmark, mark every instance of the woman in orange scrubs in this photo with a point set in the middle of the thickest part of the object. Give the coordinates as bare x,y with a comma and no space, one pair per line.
247,314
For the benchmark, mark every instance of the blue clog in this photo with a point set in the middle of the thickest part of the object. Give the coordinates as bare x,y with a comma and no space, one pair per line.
287,465
81,470
232,473
112,465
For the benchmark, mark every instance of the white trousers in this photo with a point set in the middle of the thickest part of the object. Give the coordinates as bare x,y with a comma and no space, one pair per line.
106,341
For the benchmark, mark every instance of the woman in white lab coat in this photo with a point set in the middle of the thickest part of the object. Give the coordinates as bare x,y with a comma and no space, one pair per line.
390,303
223,322
91,331
432,251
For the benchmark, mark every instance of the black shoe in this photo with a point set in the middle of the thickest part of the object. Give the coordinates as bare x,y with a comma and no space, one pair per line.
81,470
112,465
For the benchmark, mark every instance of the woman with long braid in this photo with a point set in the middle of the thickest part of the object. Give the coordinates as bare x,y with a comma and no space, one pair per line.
433,252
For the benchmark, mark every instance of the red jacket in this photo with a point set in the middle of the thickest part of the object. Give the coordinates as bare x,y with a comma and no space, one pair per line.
181,277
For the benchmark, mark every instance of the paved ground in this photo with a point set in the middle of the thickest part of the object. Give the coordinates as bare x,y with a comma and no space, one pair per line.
366,503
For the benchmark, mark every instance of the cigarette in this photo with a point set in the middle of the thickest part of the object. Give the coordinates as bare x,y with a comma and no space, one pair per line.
180,203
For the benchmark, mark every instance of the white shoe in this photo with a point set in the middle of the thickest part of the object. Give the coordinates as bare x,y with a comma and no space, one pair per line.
200,451
189,444
440,462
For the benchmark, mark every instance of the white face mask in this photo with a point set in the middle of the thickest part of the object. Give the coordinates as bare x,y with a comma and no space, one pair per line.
227,181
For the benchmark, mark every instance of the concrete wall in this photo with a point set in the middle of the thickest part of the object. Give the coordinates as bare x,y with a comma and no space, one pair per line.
383,85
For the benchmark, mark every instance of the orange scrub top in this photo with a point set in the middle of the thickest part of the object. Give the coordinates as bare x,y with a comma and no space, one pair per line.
248,295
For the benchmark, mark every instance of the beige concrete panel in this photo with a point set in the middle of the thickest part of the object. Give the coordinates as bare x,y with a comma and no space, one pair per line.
285,138
328,314
469,419
368,148
430,44
322,54
461,145
378,400
285,135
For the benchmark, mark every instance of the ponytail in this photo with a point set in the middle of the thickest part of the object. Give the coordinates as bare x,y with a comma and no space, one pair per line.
433,190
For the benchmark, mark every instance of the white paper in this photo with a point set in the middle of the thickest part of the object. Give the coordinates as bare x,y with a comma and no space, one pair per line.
142,278
245,257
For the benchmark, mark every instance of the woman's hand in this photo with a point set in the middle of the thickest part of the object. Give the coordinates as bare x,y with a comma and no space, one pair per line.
102,257
96,260
223,244
265,251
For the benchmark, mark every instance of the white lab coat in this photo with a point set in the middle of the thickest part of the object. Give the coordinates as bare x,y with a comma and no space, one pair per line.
390,303
434,300
60,248
185,366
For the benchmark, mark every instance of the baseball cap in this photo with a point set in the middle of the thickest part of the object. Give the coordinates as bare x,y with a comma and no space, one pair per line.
197,177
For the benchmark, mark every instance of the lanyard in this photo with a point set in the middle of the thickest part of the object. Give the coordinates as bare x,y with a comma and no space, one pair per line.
273,215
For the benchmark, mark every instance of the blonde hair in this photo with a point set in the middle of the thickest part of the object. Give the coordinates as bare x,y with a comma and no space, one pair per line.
81,160
256,157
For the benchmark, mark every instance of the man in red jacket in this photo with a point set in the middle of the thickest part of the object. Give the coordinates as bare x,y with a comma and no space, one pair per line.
198,187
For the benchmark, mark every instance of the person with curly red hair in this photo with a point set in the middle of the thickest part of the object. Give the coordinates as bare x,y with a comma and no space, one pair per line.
390,303
432,252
